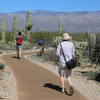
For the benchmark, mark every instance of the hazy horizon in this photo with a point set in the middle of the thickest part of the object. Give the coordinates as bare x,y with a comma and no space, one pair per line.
10,6
46,10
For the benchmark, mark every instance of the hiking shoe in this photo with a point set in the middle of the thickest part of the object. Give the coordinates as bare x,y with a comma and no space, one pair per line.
19,58
71,91
63,91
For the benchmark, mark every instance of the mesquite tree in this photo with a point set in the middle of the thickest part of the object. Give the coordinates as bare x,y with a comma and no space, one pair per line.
3,28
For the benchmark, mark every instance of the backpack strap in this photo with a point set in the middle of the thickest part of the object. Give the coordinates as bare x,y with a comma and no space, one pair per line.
63,53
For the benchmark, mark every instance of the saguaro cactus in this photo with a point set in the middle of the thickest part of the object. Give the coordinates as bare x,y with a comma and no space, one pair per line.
92,40
28,26
28,18
88,41
59,27
3,28
14,26
97,49
92,44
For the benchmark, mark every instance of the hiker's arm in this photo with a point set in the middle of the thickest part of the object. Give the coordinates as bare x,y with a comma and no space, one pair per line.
58,53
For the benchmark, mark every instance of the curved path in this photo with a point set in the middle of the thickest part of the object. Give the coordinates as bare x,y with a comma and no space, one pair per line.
36,83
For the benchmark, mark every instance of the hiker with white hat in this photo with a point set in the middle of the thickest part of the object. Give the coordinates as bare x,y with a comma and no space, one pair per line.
69,53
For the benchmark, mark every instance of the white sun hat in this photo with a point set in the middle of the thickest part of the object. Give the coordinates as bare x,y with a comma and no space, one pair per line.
66,36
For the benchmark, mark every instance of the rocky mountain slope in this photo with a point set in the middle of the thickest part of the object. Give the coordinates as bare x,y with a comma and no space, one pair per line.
44,20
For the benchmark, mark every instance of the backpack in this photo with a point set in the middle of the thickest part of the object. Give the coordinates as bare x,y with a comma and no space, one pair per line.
41,42
19,40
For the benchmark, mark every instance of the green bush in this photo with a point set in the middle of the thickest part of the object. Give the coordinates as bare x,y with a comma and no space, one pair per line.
92,75
7,46
81,51
50,54
12,45
97,77
48,36
1,52
2,66
56,41
26,45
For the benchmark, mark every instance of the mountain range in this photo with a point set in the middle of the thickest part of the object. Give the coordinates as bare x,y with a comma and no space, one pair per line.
44,20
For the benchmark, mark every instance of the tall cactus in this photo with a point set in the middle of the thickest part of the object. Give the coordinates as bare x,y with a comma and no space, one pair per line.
28,26
28,18
92,40
14,26
3,28
59,27
97,49
92,44
88,42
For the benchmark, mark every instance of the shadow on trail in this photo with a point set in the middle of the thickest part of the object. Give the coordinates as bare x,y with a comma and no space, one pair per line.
52,86
14,57
55,87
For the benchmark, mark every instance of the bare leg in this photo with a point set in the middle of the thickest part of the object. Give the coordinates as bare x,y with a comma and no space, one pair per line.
19,53
41,50
62,81
69,80
70,85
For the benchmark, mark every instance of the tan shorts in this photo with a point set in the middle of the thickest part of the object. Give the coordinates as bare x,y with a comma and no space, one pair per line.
18,47
63,71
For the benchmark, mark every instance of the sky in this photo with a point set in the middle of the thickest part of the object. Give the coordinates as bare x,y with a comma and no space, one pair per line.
8,6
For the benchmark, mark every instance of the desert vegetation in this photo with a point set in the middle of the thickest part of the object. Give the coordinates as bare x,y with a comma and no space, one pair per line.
86,44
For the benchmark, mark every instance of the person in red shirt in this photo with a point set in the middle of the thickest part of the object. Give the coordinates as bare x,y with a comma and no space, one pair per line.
19,41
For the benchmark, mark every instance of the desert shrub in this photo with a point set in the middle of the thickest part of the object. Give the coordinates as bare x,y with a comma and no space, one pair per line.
1,52
56,41
97,77
2,66
7,46
9,37
80,47
12,45
81,52
48,37
92,75
26,45
50,54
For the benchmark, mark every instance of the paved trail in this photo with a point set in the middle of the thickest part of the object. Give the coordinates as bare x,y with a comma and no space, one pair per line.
36,83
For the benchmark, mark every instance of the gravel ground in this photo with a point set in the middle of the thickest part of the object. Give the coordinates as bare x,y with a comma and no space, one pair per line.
8,87
87,87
